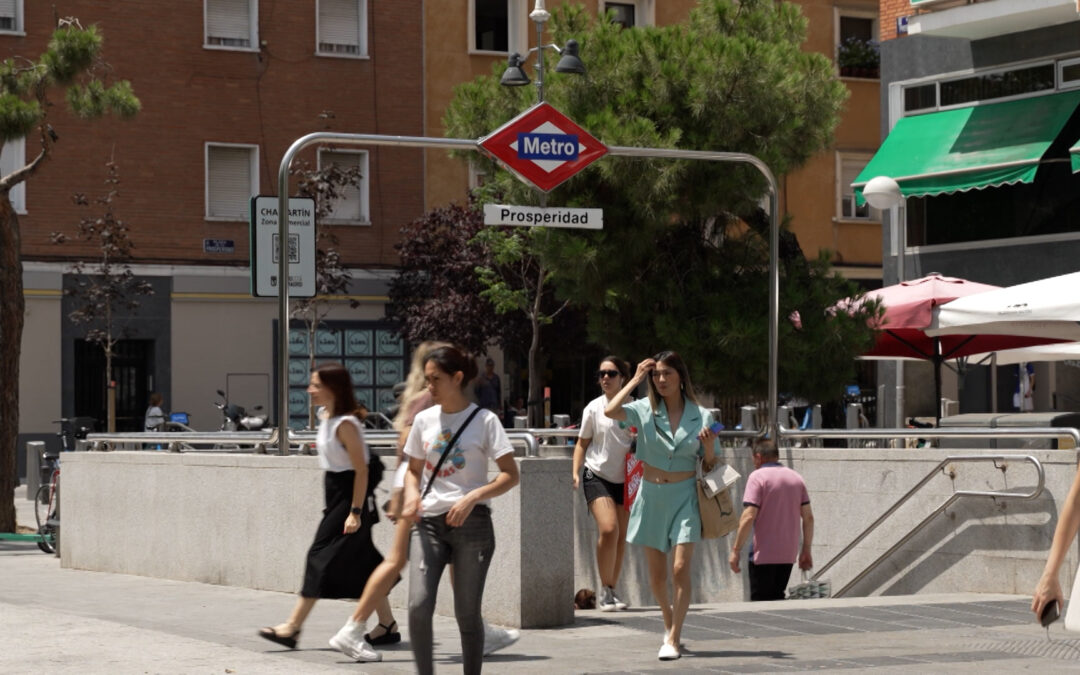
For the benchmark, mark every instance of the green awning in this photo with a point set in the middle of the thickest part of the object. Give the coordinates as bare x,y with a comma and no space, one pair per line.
971,148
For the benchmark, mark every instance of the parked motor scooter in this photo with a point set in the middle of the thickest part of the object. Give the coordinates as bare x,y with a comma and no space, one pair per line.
236,418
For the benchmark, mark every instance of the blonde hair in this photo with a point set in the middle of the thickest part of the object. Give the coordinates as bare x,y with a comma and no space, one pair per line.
415,386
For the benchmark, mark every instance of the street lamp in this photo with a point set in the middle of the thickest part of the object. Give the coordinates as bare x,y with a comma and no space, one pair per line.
882,192
570,62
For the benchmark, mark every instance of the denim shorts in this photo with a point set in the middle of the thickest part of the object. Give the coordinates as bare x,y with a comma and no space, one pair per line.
597,487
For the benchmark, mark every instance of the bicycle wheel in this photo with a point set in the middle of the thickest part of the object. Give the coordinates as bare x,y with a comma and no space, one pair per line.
44,510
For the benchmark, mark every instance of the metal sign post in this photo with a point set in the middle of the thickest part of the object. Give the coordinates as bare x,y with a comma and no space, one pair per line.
465,144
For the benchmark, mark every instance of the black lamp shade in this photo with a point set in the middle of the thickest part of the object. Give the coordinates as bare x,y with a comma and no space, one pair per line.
570,63
514,76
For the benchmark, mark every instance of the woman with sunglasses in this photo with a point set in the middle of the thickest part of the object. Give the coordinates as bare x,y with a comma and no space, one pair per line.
600,465
673,433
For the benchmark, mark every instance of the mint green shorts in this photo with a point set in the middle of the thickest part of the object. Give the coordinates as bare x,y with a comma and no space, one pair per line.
665,514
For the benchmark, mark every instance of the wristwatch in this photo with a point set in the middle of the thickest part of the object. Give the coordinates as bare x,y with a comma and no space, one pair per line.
356,510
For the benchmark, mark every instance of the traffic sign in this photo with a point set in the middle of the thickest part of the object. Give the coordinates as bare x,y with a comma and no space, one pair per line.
542,146
265,248
506,214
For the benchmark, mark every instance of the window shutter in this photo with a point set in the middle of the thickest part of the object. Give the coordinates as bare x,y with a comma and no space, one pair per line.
339,26
350,206
7,9
228,22
229,176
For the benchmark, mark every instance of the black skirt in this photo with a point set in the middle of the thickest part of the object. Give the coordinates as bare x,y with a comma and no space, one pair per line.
338,565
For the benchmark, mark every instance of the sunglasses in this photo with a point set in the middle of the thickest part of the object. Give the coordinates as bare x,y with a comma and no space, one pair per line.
610,373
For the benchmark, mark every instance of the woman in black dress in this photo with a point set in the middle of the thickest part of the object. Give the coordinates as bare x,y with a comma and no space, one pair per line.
342,556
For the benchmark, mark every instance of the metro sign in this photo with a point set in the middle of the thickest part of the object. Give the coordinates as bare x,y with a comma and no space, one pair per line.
542,146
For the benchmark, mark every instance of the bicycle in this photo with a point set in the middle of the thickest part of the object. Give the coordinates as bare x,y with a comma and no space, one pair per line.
47,504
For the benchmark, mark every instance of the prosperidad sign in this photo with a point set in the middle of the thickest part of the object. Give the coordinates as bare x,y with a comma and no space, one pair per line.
504,214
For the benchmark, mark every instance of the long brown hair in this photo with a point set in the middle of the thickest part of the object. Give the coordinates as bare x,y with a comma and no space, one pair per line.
675,362
336,379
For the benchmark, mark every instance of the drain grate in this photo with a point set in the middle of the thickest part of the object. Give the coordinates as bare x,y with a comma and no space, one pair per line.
1066,650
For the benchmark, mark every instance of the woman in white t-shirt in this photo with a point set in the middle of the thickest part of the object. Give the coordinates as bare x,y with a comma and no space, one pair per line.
447,491
343,556
600,465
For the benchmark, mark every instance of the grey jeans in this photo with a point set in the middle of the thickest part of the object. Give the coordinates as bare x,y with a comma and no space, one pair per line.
468,548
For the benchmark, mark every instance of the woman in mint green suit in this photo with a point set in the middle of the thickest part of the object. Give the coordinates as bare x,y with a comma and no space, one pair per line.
673,433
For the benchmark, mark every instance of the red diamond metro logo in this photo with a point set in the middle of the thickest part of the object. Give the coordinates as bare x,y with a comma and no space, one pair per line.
542,146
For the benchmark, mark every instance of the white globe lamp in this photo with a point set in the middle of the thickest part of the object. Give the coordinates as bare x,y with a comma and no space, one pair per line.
882,193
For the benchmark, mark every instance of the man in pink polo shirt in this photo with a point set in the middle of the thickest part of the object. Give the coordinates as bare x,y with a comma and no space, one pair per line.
774,502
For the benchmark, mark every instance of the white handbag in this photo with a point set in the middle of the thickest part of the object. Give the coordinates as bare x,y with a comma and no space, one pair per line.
719,479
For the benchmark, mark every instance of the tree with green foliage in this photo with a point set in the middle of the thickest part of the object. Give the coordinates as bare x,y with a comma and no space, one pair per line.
71,64
682,261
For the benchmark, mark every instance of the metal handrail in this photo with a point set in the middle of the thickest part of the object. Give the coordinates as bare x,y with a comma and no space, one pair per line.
378,439
944,505
974,432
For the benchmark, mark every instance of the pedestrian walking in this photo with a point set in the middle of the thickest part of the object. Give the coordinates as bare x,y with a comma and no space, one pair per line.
673,436
343,556
448,491
1048,590
352,639
154,420
774,503
600,466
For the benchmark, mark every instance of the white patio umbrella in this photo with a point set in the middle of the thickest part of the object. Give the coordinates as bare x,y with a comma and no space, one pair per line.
1065,351
1048,308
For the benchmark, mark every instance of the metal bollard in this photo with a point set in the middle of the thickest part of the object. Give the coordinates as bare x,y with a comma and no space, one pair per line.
34,450
748,418
521,422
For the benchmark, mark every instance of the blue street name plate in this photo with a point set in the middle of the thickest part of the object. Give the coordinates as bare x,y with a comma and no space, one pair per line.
218,246
561,147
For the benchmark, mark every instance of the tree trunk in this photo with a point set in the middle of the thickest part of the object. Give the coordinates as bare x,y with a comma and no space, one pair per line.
12,311
536,401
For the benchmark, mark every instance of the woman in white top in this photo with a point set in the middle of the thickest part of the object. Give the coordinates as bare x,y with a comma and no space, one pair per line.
351,639
601,449
342,556
447,492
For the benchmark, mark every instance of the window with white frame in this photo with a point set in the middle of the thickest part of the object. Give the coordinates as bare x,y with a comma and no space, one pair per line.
848,168
342,28
13,157
11,16
629,13
857,43
351,207
498,26
231,24
232,178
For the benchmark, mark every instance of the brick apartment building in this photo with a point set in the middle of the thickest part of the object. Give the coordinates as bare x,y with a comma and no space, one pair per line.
231,85
226,86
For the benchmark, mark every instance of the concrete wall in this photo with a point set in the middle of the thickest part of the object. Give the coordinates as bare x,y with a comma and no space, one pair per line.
247,520
978,546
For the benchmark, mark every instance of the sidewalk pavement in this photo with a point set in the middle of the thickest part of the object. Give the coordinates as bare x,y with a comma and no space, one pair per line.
72,621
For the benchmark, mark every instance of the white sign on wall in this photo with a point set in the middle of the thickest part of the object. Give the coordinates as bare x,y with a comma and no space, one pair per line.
265,248
504,214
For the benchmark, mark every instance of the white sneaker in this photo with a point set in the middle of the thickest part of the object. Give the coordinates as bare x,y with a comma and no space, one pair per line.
350,642
606,601
668,652
498,638
619,604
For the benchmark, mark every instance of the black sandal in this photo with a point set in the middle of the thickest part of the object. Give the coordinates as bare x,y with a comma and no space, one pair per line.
390,637
270,633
